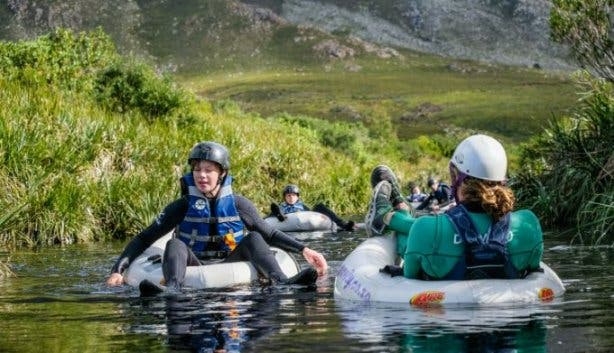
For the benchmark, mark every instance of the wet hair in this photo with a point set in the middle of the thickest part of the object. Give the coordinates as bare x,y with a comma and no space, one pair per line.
495,198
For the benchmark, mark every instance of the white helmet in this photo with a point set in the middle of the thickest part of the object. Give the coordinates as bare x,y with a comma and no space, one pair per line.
481,157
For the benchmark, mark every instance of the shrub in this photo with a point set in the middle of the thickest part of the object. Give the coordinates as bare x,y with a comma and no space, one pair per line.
60,58
567,173
129,86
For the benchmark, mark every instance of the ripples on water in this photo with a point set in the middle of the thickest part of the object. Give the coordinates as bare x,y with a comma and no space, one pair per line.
59,303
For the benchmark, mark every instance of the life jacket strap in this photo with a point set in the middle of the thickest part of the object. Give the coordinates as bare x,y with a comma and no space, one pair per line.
213,220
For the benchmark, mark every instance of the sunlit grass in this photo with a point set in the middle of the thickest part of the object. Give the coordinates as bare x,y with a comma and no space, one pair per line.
513,103
77,167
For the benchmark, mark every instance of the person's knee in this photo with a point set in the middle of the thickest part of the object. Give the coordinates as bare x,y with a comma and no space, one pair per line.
174,248
175,243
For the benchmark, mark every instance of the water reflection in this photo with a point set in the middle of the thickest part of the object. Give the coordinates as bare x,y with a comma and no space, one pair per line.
227,321
58,302
450,328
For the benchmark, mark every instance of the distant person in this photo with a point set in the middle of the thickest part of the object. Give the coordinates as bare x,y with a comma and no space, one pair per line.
481,237
416,194
212,223
293,203
440,192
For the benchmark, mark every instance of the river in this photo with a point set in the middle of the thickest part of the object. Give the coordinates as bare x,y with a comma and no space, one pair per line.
57,302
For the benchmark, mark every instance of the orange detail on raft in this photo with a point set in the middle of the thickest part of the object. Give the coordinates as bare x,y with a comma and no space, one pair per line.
427,298
546,294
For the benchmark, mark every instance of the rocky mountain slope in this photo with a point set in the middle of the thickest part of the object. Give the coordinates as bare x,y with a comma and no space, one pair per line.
504,31
227,34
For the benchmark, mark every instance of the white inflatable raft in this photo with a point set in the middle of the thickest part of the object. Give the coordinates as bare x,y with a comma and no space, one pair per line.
303,221
215,275
359,279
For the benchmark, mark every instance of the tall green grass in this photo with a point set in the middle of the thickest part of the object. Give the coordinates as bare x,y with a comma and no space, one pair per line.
93,144
93,161
5,270
567,173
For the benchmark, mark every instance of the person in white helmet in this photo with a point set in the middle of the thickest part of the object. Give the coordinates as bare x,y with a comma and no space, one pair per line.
481,237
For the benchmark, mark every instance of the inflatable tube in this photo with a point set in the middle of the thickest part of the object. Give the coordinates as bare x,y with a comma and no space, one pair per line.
215,275
303,221
359,279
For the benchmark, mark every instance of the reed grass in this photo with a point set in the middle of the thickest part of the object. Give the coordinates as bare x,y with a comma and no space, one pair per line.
5,269
568,171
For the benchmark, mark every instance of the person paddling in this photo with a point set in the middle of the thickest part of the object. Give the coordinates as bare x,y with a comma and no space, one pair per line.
211,223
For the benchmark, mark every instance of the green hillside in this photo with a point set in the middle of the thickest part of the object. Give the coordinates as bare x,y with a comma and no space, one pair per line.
410,97
226,49
93,144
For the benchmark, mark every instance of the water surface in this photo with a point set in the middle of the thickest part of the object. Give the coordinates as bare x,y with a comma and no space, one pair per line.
58,303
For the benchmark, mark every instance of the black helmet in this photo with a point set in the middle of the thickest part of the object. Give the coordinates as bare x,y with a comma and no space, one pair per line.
291,189
430,182
210,151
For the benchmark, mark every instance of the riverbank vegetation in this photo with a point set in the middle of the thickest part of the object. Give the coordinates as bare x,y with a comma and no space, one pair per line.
93,145
568,171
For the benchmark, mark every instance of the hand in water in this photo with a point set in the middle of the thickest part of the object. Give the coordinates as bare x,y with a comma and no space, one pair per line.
115,279
316,260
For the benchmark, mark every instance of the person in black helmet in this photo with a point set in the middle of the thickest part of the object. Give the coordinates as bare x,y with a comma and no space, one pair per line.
293,203
212,223
440,192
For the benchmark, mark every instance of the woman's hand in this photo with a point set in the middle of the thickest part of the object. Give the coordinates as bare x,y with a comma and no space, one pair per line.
115,279
316,260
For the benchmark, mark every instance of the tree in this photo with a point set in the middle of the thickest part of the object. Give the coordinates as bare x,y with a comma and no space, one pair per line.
586,26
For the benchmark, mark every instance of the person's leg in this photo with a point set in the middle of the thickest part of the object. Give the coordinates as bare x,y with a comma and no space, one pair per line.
321,208
253,248
379,208
276,212
383,172
177,256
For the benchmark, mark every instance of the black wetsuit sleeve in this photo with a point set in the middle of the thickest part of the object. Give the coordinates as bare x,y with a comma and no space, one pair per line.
170,217
253,222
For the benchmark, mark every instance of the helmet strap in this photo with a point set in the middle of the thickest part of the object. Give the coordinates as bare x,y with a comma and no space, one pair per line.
458,178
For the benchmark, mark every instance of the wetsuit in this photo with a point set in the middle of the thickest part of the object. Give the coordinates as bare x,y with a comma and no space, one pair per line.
429,245
254,247
320,208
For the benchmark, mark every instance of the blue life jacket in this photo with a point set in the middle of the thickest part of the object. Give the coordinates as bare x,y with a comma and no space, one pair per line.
485,256
286,208
416,197
201,221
